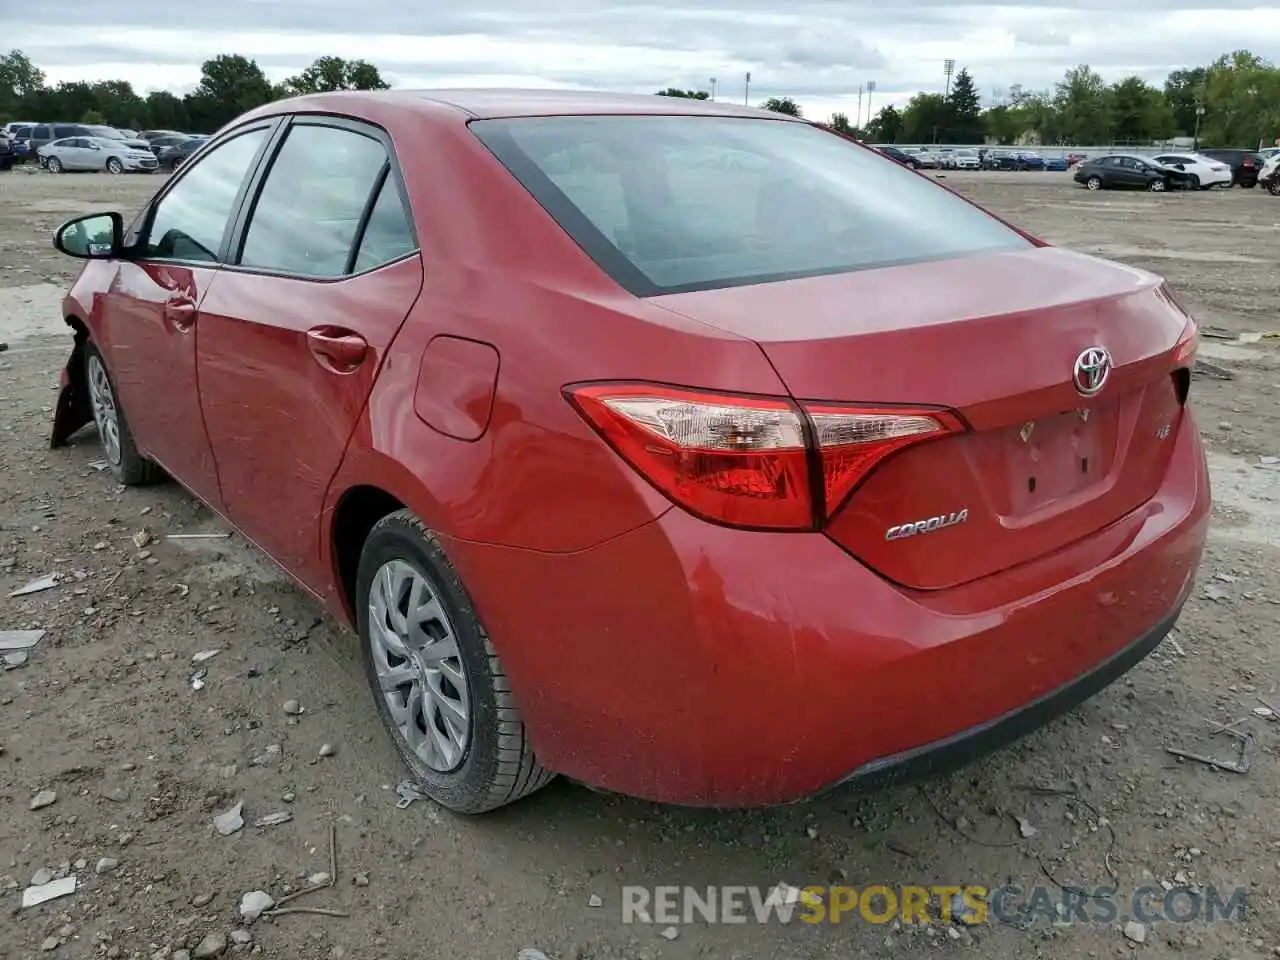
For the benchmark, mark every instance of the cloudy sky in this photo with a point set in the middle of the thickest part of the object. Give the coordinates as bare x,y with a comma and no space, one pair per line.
818,51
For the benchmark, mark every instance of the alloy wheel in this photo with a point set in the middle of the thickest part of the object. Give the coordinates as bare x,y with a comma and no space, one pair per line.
105,413
53,165
1093,183
420,672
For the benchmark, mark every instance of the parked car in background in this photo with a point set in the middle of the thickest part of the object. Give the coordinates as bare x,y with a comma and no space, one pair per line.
965,159
1000,160
166,140
900,155
1244,164
172,157
1074,159
1124,171
97,154
149,135
1056,164
10,129
1029,160
7,158
752,560
1202,172
112,133
928,159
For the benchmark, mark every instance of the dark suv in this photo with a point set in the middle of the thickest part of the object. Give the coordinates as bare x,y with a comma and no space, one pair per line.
1244,164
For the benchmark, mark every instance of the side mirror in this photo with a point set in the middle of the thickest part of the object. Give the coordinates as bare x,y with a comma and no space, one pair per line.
97,236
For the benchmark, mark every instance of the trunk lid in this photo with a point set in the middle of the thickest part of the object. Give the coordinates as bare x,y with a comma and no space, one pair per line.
995,338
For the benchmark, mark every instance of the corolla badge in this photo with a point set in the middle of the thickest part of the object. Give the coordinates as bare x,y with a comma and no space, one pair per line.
1092,369
904,530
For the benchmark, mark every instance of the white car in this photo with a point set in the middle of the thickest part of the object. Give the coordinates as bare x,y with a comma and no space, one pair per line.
1207,172
95,153
965,160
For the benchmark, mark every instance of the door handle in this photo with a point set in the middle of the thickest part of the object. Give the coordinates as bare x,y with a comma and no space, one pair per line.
337,349
180,313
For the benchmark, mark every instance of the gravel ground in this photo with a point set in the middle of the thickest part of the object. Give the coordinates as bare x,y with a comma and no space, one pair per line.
104,715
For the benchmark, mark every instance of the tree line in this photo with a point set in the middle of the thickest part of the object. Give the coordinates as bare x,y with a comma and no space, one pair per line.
1234,101
229,85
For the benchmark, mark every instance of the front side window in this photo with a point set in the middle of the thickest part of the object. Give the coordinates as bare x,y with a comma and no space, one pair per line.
309,210
666,204
191,218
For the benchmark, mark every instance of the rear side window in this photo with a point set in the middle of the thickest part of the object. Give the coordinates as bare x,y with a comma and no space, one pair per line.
41,133
310,208
388,235
668,204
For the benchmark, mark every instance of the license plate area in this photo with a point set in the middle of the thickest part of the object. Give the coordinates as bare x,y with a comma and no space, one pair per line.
1056,460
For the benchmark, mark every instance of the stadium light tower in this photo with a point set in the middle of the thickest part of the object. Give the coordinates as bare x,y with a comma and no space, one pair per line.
948,68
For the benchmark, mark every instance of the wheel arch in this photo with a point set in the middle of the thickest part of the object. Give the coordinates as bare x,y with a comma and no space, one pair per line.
355,513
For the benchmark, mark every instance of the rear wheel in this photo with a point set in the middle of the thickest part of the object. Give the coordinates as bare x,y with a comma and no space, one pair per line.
1273,188
1157,186
1093,183
114,165
129,467
53,165
1193,182
436,679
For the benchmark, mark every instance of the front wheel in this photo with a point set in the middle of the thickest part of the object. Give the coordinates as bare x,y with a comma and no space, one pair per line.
115,166
1093,183
1193,182
1273,187
437,681
53,165
1157,186
129,467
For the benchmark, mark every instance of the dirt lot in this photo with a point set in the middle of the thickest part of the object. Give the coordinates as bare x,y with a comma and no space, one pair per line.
104,714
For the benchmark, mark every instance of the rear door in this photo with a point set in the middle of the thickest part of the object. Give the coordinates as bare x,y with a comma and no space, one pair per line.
293,332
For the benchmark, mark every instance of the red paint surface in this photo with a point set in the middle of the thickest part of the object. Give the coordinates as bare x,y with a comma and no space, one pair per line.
653,652
456,383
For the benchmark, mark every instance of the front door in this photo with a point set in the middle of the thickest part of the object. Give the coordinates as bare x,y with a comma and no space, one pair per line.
151,311
293,331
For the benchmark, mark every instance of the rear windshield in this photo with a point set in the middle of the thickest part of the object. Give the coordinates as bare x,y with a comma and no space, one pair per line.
672,204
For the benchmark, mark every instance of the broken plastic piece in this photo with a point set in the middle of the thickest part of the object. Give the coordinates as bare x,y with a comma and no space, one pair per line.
49,891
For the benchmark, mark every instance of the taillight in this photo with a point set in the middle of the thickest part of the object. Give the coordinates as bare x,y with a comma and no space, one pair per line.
1184,353
755,462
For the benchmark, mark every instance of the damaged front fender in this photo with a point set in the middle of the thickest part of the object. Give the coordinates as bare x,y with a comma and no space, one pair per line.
73,409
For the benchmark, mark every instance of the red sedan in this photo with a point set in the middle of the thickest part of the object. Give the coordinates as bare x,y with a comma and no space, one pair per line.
692,452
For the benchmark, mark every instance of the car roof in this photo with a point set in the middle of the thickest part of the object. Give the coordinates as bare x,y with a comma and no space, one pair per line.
492,103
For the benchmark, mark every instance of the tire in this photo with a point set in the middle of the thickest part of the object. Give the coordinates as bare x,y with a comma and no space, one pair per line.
1273,188
495,765
114,166
1157,186
1193,182
1093,183
53,165
129,467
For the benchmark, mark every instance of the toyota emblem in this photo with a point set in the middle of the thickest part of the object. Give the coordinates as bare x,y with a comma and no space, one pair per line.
1093,366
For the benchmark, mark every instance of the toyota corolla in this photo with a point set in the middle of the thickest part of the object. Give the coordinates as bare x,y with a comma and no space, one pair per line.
689,451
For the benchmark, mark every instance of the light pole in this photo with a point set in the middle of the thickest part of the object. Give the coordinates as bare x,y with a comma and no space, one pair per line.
948,68
858,124
713,88
871,88
746,89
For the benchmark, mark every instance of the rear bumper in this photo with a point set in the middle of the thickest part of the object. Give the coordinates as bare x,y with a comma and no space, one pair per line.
949,753
692,664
